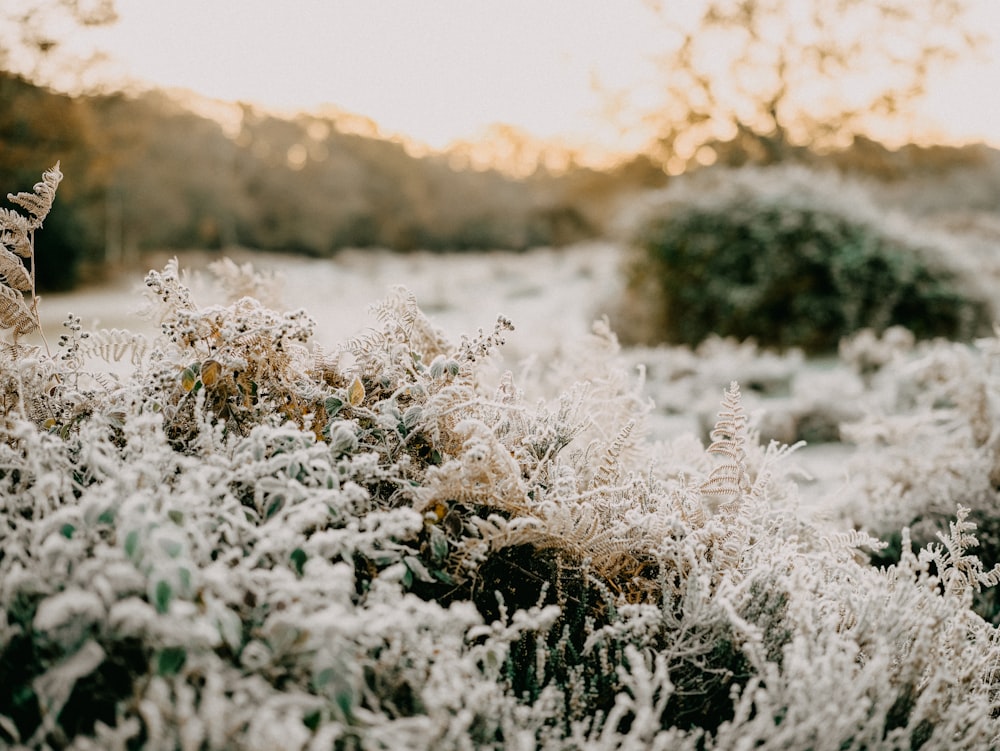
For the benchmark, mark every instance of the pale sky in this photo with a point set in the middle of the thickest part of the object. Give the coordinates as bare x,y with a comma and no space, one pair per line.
439,70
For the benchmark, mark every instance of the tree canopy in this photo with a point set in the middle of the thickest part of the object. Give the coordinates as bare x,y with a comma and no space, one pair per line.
757,79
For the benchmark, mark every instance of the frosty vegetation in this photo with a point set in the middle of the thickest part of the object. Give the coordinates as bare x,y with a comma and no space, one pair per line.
250,542
794,258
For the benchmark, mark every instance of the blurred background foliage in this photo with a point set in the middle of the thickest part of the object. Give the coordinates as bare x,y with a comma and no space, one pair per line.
148,172
791,258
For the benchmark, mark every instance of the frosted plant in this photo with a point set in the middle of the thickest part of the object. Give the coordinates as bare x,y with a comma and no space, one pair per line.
248,543
243,280
17,241
932,446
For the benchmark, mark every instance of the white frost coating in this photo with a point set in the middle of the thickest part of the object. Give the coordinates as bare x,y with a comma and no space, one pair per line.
290,634
272,728
131,617
72,607
55,686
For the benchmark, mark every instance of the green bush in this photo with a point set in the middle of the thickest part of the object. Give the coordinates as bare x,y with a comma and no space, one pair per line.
791,266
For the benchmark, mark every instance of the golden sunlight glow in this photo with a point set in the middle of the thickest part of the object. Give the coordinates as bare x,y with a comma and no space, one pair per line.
447,72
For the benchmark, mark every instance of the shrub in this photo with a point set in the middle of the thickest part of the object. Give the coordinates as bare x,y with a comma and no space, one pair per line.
775,256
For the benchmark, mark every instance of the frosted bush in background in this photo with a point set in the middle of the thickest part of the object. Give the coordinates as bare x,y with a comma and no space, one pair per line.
790,258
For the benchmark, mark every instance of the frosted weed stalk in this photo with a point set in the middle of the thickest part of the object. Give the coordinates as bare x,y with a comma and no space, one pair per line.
251,543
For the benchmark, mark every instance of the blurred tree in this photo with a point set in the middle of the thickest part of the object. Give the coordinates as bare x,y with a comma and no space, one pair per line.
33,31
758,80
38,127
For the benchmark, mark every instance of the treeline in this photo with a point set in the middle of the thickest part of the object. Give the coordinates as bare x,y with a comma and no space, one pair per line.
145,173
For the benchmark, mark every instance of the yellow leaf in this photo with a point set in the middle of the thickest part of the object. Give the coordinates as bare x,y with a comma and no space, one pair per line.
210,372
356,392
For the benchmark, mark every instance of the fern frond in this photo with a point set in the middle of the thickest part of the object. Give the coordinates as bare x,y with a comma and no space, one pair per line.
576,526
14,230
507,391
15,313
12,271
728,554
39,202
990,578
243,280
961,572
729,433
326,366
498,532
729,439
365,345
114,345
608,472
851,539
16,233
398,310
687,501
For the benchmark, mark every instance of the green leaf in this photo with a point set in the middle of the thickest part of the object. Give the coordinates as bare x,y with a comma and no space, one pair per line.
383,558
335,682
312,719
189,376
412,416
172,548
23,696
230,628
298,557
439,545
442,576
333,405
67,531
323,678
418,568
170,661
162,596
131,543
342,436
177,517
274,506
345,701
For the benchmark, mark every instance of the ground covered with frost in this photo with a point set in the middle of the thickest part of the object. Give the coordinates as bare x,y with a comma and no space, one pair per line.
466,518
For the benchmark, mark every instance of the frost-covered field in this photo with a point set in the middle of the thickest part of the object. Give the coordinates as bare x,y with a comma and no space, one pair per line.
550,295
389,531
553,297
